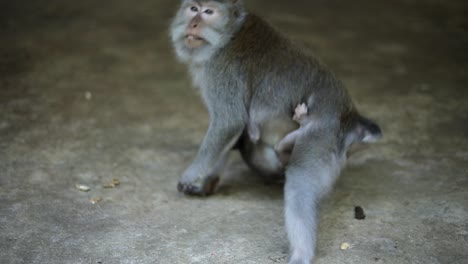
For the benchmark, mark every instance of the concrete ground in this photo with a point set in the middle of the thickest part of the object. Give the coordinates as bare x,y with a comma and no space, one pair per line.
90,91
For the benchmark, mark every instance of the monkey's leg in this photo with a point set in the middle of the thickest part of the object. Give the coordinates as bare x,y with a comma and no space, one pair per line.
310,175
201,178
287,143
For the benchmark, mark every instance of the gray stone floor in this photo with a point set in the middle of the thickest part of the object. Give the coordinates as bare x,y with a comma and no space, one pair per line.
90,91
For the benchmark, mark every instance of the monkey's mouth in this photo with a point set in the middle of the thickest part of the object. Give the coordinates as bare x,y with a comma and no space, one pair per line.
194,41
193,37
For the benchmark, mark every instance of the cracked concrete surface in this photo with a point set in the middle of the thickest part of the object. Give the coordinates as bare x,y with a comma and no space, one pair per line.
90,91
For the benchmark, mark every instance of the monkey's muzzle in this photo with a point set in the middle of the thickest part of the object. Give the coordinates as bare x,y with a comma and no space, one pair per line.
194,41
193,37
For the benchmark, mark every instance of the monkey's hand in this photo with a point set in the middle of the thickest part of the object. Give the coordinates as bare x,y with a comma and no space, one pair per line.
201,177
194,184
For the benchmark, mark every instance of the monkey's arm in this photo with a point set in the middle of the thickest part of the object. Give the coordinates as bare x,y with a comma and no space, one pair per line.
200,178
228,118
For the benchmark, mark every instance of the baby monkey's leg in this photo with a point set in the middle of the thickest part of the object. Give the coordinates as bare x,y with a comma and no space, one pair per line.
287,143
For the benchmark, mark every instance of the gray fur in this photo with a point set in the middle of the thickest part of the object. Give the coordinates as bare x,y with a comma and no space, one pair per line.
253,76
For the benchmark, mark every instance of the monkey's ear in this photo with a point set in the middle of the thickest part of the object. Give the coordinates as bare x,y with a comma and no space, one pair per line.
239,10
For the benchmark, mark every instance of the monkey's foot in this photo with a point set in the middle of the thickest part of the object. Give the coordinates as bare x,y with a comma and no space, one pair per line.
204,188
300,111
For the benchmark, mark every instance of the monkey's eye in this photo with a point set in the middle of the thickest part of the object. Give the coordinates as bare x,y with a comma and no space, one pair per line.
209,12
194,9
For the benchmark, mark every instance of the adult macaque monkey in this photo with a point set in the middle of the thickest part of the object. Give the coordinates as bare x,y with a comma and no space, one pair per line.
250,75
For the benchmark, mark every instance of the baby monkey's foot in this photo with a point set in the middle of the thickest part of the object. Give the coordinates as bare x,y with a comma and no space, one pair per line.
300,111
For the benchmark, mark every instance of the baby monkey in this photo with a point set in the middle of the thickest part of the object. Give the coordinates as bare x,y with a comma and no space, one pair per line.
300,116
305,121
282,109
284,147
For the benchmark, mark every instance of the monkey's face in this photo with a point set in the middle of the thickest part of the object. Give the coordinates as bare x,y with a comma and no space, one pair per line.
202,19
201,27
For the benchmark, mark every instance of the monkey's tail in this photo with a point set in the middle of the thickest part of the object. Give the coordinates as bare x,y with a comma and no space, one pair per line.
368,130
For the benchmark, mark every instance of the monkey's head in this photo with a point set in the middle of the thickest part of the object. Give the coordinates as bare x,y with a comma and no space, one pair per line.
202,27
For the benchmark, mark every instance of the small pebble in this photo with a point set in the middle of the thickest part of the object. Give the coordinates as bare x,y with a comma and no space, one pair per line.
96,200
359,213
115,182
345,246
82,187
88,95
